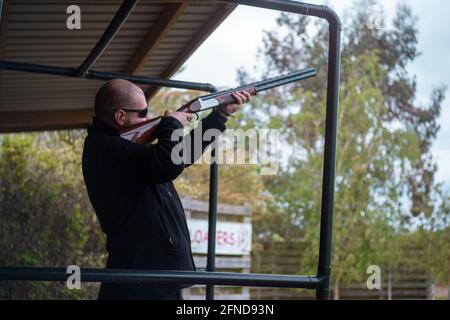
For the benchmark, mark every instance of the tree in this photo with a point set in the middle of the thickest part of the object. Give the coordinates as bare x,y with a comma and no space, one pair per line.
384,160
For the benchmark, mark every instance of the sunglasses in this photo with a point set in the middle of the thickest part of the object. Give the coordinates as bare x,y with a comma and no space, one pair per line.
142,113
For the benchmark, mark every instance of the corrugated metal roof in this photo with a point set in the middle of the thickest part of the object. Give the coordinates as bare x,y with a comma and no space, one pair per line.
155,41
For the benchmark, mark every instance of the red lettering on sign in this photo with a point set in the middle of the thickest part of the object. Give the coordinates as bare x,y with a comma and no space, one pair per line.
232,241
198,236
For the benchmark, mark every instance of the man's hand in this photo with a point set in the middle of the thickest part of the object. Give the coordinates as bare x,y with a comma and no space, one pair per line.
183,117
241,98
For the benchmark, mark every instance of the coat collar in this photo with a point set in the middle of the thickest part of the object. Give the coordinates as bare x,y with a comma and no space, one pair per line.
98,126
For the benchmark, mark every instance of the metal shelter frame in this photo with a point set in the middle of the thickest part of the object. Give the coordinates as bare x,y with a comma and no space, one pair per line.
319,282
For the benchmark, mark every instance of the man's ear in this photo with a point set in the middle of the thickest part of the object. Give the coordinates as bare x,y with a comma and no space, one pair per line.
120,117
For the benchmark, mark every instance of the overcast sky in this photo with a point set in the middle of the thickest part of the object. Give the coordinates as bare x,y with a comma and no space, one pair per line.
235,42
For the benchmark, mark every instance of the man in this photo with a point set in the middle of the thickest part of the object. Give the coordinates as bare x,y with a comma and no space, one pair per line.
131,190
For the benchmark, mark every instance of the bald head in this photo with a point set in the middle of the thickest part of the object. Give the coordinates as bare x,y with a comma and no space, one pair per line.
115,94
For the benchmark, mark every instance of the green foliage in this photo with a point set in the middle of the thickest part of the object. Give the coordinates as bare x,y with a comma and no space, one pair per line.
46,218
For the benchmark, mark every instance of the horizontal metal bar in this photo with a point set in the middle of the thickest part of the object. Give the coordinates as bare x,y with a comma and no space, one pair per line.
307,9
152,276
98,75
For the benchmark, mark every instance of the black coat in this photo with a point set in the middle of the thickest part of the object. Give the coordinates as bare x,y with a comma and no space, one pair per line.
131,190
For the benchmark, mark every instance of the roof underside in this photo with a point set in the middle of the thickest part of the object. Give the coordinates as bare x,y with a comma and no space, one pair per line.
156,39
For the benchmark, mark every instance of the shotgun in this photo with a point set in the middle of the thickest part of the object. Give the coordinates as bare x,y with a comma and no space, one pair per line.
144,132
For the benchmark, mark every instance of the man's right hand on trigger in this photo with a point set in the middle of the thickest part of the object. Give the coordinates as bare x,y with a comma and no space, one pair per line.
183,117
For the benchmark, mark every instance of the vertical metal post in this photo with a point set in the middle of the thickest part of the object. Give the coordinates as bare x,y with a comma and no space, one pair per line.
329,169
212,223
212,217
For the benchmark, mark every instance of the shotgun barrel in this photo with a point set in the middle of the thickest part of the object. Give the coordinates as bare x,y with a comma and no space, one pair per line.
144,132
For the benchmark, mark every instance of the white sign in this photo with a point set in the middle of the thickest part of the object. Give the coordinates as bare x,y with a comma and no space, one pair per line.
232,238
